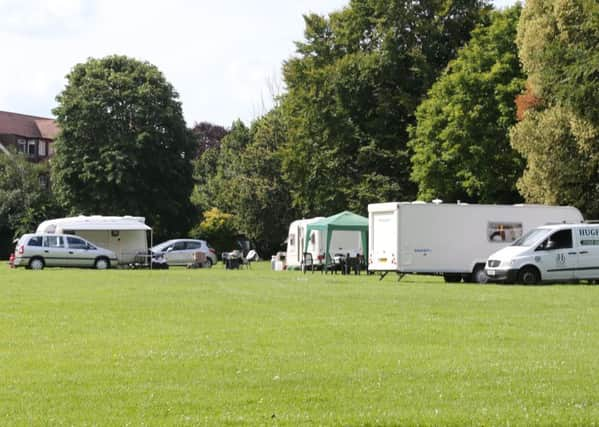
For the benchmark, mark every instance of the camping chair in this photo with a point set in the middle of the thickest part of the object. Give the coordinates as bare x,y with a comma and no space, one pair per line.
334,263
307,262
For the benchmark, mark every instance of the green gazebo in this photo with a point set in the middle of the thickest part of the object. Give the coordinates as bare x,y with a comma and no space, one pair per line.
346,221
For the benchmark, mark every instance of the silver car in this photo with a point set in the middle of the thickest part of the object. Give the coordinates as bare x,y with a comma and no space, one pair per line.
37,251
180,251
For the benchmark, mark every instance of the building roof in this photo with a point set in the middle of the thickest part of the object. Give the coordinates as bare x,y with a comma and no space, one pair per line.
27,126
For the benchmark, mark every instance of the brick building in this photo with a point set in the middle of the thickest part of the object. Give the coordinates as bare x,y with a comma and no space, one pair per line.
30,135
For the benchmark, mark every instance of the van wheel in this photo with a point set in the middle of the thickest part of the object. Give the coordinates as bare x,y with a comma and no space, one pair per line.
102,264
528,276
452,277
479,275
36,264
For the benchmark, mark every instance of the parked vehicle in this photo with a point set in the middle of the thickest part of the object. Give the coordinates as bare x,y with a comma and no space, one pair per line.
37,251
180,251
126,236
453,240
555,253
296,241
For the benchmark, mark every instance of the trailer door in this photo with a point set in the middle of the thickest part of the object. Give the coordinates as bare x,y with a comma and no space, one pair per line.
383,252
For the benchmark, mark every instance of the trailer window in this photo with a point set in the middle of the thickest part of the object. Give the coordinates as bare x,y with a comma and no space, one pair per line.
504,231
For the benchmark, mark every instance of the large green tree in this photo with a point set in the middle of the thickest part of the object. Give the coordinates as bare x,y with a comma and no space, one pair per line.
124,147
24,202
558,135
461,141
243,177
353,88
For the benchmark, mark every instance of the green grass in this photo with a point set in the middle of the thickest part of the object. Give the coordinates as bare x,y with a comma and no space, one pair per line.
215,347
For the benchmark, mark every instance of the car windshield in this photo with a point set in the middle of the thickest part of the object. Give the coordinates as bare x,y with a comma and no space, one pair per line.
531,238
162,246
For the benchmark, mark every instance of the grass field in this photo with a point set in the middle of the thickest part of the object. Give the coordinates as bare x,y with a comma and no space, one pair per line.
256,347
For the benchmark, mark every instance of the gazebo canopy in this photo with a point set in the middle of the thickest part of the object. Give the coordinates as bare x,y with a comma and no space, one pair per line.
346,221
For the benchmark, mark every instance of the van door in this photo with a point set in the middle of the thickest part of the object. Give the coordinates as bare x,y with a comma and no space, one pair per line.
79,253
55,252
556,257
587,240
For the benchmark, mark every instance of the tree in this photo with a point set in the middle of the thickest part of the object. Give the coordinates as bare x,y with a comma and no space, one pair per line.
461,140
352,91
215,169
243,177
124,147
562,159
218,228
557,43
24,203
207,136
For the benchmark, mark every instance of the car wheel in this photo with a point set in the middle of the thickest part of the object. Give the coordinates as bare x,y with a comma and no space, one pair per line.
209,263
528,276
102,264
479,275
37,264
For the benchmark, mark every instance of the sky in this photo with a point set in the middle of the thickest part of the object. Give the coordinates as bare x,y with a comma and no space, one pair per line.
223,57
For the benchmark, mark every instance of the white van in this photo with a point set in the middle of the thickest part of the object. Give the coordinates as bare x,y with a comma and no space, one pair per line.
552,253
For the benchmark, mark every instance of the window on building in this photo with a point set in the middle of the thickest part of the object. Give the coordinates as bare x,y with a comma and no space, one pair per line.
42,148
31,149
50,148
21,146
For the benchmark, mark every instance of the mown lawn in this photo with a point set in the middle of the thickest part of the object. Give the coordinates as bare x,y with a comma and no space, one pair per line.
215,347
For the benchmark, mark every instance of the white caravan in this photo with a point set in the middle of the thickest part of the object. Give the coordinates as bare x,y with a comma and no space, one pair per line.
126,236
453,240
554,253
296,240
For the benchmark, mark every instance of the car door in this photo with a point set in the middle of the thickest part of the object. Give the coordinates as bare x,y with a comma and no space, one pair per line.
79,252
556,257
587,244
175,254
193,247
55,252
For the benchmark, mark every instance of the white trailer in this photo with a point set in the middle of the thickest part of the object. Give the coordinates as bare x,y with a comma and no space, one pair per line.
296,240
453,240
126,236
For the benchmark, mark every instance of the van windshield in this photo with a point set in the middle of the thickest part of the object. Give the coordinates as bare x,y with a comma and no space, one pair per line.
530,238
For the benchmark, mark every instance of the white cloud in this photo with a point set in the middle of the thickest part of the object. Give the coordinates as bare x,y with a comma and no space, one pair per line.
219,55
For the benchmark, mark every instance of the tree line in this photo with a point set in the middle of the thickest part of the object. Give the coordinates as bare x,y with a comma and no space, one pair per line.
385,100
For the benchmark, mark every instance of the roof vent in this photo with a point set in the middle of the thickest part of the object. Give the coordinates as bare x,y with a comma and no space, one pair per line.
437,201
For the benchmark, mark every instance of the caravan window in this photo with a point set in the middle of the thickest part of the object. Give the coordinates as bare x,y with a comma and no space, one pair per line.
504,231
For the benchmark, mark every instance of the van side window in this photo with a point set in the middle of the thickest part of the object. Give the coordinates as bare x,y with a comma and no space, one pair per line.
53,242
504,231
561,239
35,241
76,243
